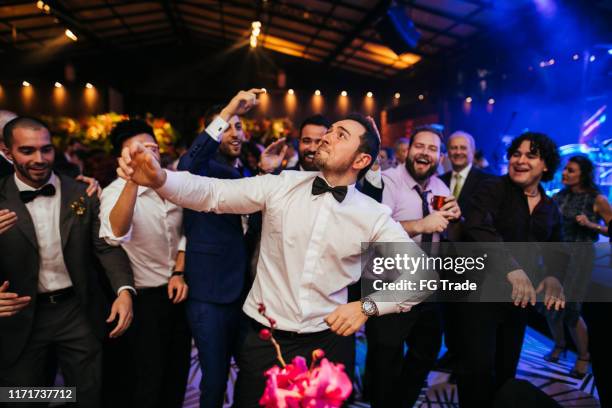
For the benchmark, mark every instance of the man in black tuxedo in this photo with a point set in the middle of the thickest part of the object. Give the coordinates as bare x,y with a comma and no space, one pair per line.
6,167
50,295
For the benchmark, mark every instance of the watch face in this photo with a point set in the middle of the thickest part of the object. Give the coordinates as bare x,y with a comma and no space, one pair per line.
369,307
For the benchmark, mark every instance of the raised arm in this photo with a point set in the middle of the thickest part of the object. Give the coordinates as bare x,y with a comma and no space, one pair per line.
203,149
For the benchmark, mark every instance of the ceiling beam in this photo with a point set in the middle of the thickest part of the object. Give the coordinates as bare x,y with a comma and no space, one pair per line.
461,42
12,27
315,36
449,16
380,9
179,32
98,30
68,19
103,6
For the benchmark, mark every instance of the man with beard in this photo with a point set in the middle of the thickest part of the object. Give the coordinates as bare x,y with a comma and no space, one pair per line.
306,261
216,258
312,131
395,379
50,298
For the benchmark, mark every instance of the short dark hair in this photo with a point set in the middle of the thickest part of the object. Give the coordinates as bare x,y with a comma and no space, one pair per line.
370,143
426,128
127,129
544,146
317,120
27,122
211,112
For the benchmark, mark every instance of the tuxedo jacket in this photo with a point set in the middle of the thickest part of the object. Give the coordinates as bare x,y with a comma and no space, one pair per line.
85,254
6,168
471,184
217,256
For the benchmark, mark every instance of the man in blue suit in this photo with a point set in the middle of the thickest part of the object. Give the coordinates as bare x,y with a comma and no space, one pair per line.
216,267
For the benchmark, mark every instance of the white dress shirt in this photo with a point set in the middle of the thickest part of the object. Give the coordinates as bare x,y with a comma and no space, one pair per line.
310,245
154,238
463,173
45,212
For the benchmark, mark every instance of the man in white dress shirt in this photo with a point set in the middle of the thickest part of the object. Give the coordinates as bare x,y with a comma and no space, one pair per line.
313,227
149,229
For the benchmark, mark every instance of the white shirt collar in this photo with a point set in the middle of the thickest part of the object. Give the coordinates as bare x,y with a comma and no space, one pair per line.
464,172
21,186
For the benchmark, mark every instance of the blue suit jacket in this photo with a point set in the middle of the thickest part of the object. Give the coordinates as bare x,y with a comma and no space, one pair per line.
216,258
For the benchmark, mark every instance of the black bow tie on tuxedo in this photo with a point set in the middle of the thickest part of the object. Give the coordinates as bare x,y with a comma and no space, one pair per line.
28,195
320,186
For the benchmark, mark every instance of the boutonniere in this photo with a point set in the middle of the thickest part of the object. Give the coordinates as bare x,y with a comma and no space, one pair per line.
79,206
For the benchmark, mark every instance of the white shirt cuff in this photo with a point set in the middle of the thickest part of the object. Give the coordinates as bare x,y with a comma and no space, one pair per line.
126,287
182,244
216,128
172,185
106,232
374,177
393,307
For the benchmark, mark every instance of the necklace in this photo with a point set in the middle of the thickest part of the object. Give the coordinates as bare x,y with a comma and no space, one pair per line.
537,192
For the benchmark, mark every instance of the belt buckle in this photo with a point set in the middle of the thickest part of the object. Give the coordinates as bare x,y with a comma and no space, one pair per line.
52,299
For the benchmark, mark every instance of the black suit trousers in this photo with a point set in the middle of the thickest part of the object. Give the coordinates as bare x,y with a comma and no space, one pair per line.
395,378
148,366
490,340
61,328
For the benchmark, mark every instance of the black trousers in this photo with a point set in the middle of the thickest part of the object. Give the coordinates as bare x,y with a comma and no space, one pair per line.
597,316
63,329
395,378
257,356
149,365
450,328
490,343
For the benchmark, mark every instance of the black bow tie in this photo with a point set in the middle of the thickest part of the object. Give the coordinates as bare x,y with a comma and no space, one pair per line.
28,195
320,186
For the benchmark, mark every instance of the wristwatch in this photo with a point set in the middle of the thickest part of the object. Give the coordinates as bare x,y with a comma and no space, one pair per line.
177,273
368,307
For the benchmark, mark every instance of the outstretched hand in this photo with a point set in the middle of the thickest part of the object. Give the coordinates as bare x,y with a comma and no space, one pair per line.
272,157
139,164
